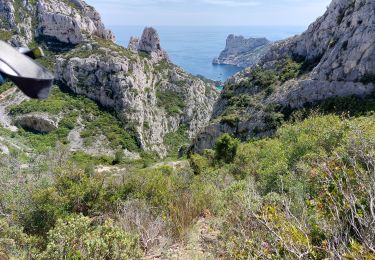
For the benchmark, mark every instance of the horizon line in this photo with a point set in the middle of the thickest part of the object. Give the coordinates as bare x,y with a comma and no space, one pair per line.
194,25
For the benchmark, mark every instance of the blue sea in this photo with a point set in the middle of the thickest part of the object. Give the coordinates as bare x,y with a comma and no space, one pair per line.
194,48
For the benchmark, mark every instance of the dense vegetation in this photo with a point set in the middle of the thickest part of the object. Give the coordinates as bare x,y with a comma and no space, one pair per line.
306,193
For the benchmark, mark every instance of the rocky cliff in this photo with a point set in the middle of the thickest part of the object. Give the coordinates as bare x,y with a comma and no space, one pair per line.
242,52
70,22
335,57
152,97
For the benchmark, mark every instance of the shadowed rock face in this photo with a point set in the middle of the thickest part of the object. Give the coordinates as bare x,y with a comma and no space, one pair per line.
340,48
242,52
37,122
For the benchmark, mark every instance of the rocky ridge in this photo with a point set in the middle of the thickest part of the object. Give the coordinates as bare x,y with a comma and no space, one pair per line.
334,57
242,52
151,96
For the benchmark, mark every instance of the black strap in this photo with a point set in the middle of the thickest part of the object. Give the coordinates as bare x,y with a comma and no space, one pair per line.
33,80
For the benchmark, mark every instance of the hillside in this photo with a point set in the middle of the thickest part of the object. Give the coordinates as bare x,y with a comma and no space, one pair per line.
333,58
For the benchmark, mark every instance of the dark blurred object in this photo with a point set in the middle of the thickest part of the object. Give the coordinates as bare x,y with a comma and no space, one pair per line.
35,53
33,80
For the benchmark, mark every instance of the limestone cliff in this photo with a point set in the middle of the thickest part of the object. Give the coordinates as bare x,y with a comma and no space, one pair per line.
70,22
335,57
152,97
242,52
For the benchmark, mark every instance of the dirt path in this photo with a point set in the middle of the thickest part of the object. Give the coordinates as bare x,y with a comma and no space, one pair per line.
194,248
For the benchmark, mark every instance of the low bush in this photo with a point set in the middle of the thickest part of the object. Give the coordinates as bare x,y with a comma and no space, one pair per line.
368,78
77,237
226,148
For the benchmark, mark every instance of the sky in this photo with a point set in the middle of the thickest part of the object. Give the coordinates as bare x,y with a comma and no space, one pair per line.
210,12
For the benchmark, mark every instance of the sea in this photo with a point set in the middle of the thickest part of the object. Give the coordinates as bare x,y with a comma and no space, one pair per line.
194,48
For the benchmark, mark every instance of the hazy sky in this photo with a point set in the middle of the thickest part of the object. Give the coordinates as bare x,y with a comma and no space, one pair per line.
209,12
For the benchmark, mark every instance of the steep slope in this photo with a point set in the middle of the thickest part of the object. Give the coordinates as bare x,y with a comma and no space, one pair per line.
242,52
156,100
334,58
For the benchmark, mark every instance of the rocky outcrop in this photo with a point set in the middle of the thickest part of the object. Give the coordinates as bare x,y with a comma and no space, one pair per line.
37,122
148,43
69,22
337,59
133,44
243,52
150,95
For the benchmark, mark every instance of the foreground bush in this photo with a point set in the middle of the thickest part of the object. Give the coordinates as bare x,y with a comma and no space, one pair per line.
77,237
306,194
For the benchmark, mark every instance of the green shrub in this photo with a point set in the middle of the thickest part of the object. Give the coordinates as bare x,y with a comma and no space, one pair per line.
119,157
171,101
264,78
76,237
73,191
199,164
14,244
7,85
274,119
241,101
175,140
226,148
368,78
5,35
231,119
289,69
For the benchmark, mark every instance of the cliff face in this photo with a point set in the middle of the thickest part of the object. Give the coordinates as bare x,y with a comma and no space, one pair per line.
242,52
151,96
335,57
70,21
342,40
